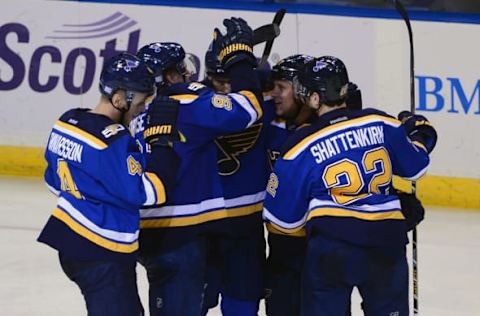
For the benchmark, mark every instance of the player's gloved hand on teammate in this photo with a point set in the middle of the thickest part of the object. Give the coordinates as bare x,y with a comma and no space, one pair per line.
161,119
236,45
412,209
419,129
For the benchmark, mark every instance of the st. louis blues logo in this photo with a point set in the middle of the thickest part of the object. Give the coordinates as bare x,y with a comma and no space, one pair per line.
319,65
127,65
157,47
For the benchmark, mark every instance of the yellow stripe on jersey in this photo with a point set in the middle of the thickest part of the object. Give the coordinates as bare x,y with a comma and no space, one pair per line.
82,134
96,239
287,231
271,229
159,187
202,218
418,144
254,101
184,97
295,150
340,212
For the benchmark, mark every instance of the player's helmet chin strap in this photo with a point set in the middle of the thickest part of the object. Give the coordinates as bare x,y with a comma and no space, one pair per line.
129,95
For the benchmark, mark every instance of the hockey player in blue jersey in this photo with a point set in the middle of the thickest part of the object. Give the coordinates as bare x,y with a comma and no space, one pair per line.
173,237
333,179
236,251
286,252
102,179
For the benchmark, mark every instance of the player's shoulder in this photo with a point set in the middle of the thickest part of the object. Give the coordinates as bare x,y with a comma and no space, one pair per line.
374,114
301,134
95,129
187,92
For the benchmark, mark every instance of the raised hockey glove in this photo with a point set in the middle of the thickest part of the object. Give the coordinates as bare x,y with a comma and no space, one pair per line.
236,45
354,100
419,129
412,209
161,119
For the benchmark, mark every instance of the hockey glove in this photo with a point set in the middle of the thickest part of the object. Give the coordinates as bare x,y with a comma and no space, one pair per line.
412,209
236,45
419,129
161,121
354,100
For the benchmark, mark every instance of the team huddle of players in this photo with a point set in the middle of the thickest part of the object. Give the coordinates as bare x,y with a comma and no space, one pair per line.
182,177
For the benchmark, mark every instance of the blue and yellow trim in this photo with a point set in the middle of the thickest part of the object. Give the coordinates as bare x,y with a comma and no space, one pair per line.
184,97
96,239
272,228
341,212
203,217
254,101
99,143
158,186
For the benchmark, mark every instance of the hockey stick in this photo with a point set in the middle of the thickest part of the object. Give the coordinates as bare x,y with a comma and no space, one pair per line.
265,33
401,9
277,20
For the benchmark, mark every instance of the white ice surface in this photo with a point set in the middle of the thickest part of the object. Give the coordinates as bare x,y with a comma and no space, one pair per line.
32,283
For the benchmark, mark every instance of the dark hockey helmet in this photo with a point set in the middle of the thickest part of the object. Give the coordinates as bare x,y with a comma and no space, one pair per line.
213,67
288,68
325,75
126,72
160,56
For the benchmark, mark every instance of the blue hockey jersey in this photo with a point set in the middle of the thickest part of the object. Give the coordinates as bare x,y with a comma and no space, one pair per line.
334,177
244,169
98,173
203,116
278,131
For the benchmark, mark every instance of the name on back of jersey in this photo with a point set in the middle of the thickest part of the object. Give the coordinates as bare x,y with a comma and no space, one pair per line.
342,142
65,148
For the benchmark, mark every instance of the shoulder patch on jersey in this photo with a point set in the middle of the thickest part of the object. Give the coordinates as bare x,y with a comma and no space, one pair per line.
112,130
222,102
195,86
134,167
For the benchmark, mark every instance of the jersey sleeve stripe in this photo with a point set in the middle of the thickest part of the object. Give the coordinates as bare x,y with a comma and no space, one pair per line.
96,239
246,105
418,175
85,222
52,189
364,208
80,135
301,146
420,145
184,98
157,187
200,218
271,229
254,101
340,212
284,226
